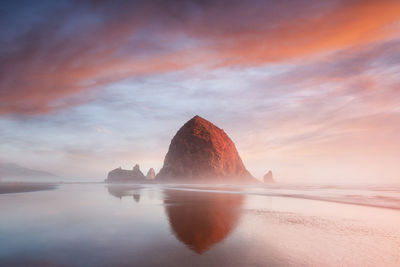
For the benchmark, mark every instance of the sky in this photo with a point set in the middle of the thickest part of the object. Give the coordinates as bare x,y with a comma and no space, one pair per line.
308,89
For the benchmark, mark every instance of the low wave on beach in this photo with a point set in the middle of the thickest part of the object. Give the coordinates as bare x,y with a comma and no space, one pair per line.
373,196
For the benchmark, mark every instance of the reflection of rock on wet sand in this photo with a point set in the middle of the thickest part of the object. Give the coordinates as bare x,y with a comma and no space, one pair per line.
201,220
122,191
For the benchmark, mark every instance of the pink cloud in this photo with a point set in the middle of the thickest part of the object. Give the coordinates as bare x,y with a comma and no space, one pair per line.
60,58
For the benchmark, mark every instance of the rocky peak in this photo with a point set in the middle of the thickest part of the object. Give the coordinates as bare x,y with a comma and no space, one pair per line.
136,168
268,177
200,151
151,174
137,172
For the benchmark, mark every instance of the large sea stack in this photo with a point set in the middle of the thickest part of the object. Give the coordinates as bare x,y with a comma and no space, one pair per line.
202,152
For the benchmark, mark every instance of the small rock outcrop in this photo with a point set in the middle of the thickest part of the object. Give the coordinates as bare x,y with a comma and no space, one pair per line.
202,152
268,177
151,174
120,175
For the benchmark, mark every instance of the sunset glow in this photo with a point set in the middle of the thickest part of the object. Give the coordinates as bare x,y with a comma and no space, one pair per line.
307,88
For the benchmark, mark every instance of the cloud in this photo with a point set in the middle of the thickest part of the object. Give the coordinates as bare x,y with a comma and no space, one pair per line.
71,50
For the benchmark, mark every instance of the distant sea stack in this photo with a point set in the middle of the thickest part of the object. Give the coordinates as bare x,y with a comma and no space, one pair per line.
202,152
125,176
151,174
268,177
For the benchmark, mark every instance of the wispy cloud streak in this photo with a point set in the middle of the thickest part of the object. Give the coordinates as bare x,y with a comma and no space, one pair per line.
81,46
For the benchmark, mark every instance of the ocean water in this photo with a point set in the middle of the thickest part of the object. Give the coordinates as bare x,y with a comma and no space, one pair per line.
201,225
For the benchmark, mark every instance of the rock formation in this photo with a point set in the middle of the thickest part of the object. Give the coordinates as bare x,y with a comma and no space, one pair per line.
268,177
202,152
125,176
151,174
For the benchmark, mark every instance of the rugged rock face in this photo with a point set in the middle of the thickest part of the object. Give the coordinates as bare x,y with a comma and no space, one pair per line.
151,174
125,176
202,152
268,177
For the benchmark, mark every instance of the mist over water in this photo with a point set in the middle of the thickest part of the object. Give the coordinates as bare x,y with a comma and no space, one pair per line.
200,225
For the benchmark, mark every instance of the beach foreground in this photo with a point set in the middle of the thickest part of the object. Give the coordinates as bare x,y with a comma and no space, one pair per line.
178,225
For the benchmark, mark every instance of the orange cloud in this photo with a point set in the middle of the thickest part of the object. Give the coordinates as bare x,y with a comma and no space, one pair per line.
48,69
351,23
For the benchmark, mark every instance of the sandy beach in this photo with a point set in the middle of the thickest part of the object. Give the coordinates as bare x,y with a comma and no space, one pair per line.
99,225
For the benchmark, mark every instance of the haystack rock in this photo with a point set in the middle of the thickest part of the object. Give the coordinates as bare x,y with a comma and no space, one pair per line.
151,174
120,175
202,152
268,178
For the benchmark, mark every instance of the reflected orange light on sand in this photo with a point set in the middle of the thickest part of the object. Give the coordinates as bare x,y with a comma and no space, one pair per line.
201,220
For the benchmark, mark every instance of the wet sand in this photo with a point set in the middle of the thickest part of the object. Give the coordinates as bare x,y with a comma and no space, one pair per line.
153,225
15,187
